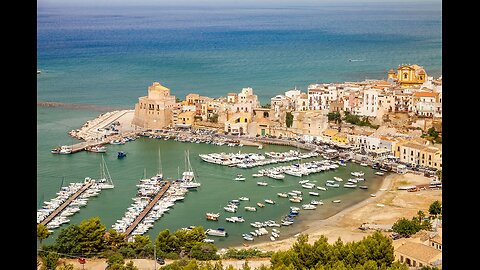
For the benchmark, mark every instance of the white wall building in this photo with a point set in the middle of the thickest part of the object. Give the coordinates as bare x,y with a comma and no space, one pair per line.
370,102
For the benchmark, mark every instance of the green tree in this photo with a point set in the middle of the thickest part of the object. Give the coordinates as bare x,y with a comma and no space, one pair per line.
439,174
289,119
420,215
115,240
435,208
142,246
130,266
68,240
334,116
167,242
204,252
405,227
213,118
266,106
50,261
115,261
127,252
432,133
42,233
379,248
66,266
92,234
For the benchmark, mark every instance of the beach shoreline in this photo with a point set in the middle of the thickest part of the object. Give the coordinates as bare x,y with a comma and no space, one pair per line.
385,208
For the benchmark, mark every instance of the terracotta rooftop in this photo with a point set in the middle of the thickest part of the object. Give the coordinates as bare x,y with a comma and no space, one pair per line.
419,251
414,145
432,150
437,239
330,132
425,94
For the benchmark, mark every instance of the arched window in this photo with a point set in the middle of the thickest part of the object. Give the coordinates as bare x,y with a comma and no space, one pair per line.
405,75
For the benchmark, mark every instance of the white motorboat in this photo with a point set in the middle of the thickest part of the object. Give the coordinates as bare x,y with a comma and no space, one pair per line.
257,175
282,194
321,188
269,201
338,179
262,183
250,208
309,207
357,174
313,193
315,202
230,209
308,186
331,185
239,178
244,199
216,232
337,201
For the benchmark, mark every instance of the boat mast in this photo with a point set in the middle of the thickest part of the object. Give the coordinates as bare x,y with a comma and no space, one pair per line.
160,171
107,176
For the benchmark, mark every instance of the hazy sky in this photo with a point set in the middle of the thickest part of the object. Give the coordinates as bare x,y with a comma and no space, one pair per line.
209,2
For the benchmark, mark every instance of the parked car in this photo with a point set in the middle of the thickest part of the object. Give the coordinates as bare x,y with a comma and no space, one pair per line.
161,261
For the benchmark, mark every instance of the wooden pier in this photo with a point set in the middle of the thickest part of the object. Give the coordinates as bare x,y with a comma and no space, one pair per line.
147,209
66,203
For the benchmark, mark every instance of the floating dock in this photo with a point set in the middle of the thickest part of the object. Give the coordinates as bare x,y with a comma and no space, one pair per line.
66,203
147,209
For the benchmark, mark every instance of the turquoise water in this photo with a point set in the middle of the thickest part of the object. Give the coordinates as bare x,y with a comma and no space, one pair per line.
109,56
218,186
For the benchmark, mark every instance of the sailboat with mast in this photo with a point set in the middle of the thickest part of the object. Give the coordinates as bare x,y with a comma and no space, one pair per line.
188,177
105,181
160,171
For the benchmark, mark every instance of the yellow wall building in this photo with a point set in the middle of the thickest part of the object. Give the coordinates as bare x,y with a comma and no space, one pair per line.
340,137
154,111
186,118
408,75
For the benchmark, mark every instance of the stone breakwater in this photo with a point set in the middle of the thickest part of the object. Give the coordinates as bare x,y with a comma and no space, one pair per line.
90,107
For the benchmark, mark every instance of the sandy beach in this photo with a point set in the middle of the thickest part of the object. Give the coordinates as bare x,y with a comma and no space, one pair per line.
392,205
396,204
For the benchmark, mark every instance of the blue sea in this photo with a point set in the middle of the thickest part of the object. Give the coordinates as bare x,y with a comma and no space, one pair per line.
109,56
